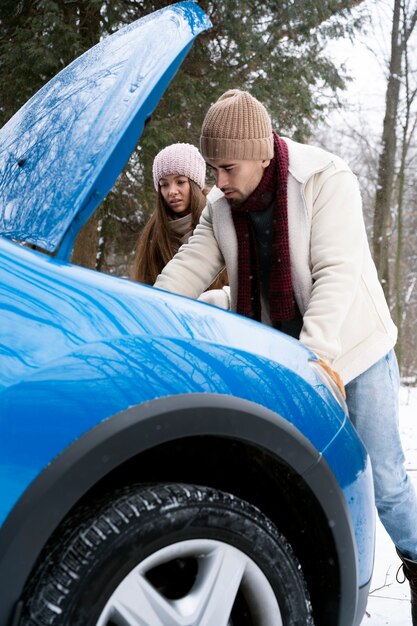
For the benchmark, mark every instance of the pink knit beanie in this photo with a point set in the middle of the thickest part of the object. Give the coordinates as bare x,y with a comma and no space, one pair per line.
180,158
237,126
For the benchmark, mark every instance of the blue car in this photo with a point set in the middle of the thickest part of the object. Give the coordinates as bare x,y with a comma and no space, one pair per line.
162,462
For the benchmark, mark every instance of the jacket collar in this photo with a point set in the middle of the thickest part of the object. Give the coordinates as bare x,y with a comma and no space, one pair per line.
306,160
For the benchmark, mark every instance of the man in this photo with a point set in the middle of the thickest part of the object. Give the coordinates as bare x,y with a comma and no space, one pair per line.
286,221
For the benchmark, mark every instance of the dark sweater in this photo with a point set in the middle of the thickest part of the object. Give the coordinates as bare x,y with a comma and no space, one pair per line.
262,229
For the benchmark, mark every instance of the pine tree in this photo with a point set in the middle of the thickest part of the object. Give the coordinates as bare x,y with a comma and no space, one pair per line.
274,49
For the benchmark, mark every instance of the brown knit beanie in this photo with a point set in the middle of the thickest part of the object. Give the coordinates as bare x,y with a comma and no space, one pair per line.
237,126
179,158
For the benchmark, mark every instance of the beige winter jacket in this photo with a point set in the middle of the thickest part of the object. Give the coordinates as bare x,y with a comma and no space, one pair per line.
346,320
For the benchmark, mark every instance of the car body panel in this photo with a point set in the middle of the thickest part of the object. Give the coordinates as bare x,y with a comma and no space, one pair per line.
63,150
76,338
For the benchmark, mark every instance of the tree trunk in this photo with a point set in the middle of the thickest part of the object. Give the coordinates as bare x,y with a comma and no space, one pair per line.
85,17
386,167
86,245
408,130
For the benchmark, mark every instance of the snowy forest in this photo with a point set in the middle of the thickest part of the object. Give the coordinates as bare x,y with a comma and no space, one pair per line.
283,52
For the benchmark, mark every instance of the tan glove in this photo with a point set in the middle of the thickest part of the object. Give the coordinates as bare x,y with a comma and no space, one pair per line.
334,376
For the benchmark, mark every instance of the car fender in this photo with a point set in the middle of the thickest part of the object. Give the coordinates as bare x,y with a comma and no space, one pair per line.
102,379
93,455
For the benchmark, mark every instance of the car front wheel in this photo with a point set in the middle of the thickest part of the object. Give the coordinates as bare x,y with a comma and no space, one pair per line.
168,555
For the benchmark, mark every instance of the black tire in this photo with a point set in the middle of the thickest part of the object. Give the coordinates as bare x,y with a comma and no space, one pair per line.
168,540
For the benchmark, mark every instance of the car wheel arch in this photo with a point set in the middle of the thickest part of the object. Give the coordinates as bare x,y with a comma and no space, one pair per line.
137,430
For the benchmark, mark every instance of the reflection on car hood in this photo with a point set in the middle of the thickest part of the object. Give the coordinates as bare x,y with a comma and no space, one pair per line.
63,150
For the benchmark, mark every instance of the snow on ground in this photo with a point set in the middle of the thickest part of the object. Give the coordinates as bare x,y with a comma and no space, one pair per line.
389,601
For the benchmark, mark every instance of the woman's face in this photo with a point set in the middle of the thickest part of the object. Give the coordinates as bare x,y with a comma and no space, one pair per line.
176,192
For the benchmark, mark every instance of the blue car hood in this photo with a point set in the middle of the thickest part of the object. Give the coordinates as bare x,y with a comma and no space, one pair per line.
63,150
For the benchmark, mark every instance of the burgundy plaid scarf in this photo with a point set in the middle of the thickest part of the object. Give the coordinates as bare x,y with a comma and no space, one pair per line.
281,299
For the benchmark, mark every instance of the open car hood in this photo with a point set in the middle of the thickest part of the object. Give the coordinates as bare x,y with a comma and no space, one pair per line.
62,151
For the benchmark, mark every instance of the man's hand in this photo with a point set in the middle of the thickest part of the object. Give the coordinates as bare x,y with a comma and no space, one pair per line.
334,376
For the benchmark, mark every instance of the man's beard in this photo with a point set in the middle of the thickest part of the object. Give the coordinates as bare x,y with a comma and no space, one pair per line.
234,201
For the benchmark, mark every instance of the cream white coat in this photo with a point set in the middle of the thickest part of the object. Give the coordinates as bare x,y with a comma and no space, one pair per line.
346,320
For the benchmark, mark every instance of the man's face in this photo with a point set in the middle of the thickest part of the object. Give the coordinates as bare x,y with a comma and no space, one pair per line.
237,179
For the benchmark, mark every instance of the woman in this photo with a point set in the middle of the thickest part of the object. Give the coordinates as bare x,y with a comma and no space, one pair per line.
179,173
